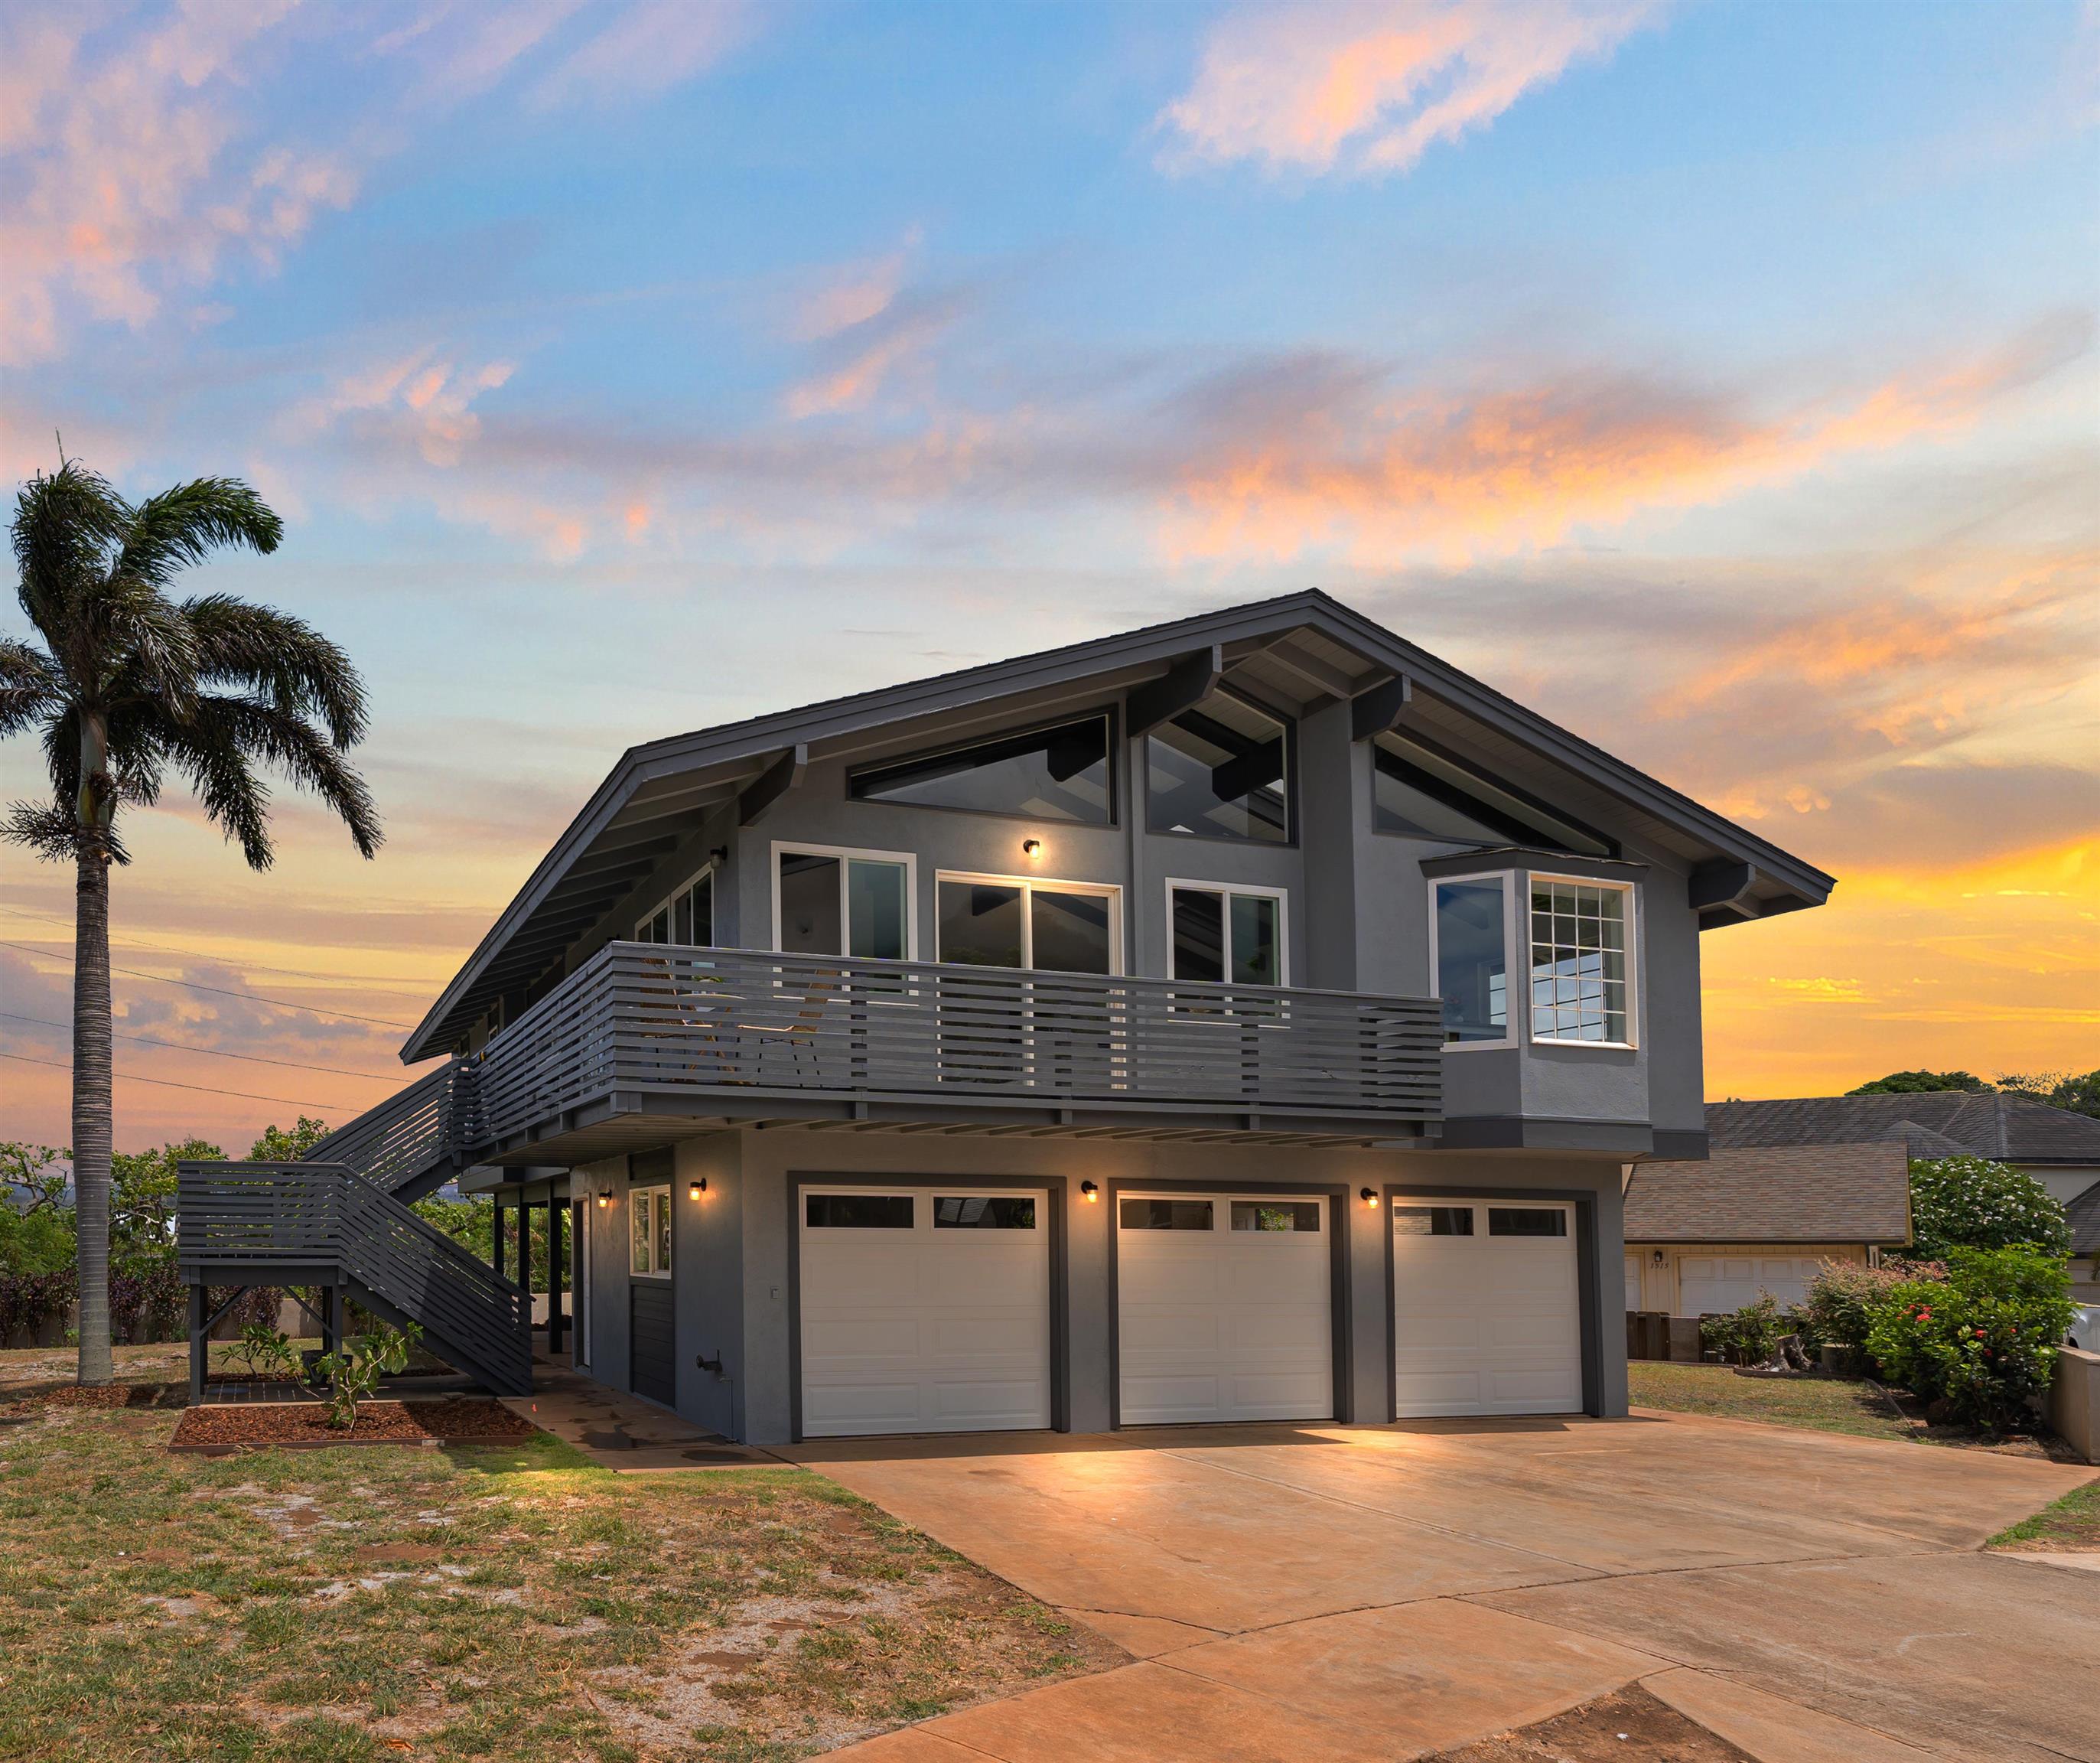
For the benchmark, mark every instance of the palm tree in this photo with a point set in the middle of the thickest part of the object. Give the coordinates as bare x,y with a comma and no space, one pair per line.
130,683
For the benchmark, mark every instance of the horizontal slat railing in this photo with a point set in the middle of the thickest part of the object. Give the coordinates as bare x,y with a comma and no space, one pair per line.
252,1221
404,1138
643,1017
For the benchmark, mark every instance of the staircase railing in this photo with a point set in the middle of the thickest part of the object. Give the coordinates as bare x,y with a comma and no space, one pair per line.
417,1137
290,1223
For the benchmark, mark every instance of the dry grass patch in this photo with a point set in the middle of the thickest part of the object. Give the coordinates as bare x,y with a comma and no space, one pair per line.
515,1602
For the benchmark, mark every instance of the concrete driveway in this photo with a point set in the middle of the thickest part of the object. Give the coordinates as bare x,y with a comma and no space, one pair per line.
1376,1592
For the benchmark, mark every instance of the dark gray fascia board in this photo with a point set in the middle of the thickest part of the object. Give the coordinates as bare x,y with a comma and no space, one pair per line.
1631,1139
1530,858
759,739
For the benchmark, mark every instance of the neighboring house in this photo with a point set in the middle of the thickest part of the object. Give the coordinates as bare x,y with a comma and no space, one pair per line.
2084,1213
1245,1017
2059,1148
1704,1238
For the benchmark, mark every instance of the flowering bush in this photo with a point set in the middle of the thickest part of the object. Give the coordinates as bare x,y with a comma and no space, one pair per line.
1843,1296
1983,1341
1971,1202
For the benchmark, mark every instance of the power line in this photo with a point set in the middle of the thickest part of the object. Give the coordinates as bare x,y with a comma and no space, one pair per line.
199,955
216,1053
192,985
23,1059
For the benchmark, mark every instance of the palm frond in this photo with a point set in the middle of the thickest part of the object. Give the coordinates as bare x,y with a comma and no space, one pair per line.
302,672
64,527
182,526
29,685
219,747
52,832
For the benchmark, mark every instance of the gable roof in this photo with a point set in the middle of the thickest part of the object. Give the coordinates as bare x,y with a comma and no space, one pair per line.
1306,648
1775,1194
2084,1215
2010,1128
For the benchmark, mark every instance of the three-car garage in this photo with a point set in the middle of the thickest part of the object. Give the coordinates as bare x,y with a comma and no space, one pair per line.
930,1306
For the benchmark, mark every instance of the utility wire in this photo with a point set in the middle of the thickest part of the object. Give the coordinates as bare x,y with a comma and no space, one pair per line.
282,1004
199,955
23,1059
216,1053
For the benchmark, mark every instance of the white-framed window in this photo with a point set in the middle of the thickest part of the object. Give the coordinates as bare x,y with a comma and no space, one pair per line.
1472,931
649,1232
832,900
1220,931
1005,921
686,917
1581,938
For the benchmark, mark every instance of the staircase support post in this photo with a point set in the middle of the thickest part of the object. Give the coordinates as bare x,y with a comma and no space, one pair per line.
338,1317
496,1233
556,1323
199,1348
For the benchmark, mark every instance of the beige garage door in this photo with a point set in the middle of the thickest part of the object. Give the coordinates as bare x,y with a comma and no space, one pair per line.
1711,1284
1486,1308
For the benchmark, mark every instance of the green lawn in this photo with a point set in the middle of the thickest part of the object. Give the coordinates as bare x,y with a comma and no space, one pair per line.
1831,1404
2072,1522
520,1603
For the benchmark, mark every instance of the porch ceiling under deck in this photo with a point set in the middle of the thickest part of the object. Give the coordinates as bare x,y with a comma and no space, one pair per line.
618,1134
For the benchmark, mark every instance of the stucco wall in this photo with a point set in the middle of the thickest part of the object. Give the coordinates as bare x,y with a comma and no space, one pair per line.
732,1247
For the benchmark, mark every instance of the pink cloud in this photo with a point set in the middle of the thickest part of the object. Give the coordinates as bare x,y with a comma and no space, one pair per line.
1369,88
649,47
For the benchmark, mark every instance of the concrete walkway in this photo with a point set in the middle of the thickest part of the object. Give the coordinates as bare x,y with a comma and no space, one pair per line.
619,1431
1346,1593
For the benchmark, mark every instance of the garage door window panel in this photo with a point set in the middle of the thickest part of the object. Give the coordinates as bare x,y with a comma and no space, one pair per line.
1280,1216
1433,1220
858,1211
1165,1214
1527,1221
979,1211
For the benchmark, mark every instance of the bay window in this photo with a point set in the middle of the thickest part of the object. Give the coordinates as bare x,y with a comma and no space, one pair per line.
1470,955
1581,973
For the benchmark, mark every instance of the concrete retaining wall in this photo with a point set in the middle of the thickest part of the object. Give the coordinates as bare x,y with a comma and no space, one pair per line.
2074,1401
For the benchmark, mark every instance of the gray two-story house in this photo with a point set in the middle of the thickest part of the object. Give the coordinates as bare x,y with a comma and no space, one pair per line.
1244,1018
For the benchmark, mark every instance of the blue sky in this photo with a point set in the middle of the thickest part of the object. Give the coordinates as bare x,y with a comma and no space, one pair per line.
1718,378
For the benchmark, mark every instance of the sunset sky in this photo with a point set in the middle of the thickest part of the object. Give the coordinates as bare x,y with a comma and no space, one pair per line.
1720,381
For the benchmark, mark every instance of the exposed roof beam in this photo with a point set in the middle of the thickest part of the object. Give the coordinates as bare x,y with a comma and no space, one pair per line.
784,774
1324,678
1186,683
1380,709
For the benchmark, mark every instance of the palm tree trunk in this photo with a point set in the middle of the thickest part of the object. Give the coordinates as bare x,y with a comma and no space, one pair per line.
91,1107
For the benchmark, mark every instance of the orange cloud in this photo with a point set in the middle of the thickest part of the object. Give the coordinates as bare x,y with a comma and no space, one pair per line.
1370,88
1457,476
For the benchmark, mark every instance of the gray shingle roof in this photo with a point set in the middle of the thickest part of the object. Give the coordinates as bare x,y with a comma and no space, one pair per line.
1857,1193
2084,1213
1992,1125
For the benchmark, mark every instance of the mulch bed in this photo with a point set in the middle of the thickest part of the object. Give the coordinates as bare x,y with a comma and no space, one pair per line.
1631,1726
34,1400
456,1419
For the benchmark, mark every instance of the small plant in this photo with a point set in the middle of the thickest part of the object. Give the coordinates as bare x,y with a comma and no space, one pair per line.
265,1353
1748,1337
353,1370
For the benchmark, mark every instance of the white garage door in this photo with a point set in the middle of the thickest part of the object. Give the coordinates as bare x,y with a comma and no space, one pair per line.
925,1310
1710,1284
1486,1308
1224,1308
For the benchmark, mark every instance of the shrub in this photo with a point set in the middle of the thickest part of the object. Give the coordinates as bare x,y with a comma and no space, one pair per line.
1983,1341
1748,1337
29,1299
1973,1203
145,1300
1843,1296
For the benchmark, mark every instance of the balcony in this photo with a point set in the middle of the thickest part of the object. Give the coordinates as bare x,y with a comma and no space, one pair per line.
643,1035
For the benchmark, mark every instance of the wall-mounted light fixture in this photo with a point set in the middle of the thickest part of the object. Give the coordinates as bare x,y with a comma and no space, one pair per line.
1032,847
604,1197
1658,1258
720,854
1088,1192
1369,1198
693,1189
